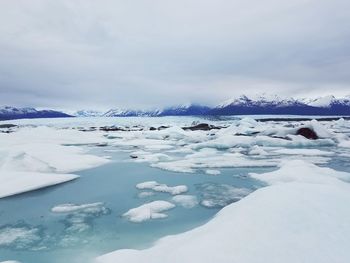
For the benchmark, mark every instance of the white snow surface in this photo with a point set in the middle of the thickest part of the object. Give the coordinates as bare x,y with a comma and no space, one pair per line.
148,211
69,208
157,187
302,216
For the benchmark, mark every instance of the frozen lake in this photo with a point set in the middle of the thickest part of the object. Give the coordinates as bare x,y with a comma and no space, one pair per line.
193,173
114,185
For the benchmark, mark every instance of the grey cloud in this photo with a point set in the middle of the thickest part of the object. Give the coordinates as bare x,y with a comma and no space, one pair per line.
142,53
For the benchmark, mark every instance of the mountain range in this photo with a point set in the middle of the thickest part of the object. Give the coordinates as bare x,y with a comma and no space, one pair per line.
10,113
241,105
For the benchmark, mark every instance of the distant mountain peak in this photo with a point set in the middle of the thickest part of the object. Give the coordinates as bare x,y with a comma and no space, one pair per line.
9,113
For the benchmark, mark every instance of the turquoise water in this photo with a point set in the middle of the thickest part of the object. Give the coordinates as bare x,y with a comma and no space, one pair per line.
114,185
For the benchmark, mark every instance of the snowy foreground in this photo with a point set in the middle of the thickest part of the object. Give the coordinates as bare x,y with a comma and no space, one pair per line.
301,215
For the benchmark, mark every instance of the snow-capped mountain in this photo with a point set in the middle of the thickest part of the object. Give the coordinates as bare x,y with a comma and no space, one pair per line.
9,113
243,105
130,113
185,110
88,113
182,110
327,101
259,100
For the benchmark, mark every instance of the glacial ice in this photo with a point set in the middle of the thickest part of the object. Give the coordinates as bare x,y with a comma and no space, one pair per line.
148,211
214,195
186,201
157,187
19,236
78,219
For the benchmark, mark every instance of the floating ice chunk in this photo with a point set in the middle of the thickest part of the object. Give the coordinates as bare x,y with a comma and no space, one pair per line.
256,150
19,236
249,122
69,208
142,156
79,217
145,194
212,172
344,144
152,210
187,201
147,185
174,190
320,130
13,183
157,187
215,195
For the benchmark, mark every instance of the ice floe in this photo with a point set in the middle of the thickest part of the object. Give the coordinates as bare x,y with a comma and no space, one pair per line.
187,201
214,195
212,172
79,218
87,208
19,236
157,187
148,211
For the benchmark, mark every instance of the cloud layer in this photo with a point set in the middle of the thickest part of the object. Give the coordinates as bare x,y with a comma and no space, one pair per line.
101,54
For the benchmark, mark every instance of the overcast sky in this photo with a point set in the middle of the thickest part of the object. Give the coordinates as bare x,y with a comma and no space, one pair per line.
150,53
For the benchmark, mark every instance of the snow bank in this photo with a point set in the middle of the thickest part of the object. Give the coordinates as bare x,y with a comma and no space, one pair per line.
303,216
152,210
157,187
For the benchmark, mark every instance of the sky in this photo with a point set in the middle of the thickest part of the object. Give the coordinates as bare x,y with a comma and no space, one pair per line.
74,54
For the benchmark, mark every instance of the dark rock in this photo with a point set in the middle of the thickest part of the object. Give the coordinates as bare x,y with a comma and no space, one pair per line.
162,127
201,127
102,144
307,133
133,156
111,128
152,129
6,126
